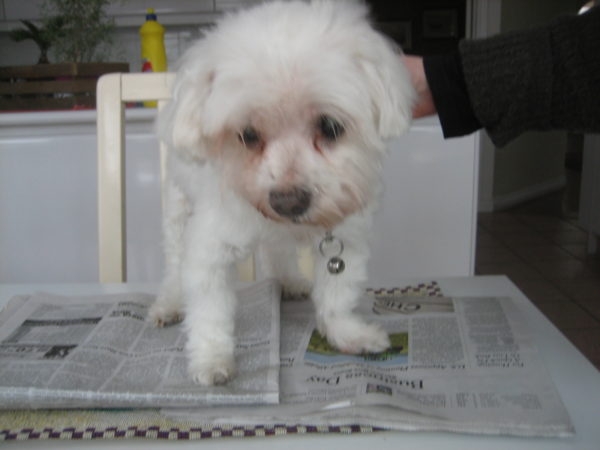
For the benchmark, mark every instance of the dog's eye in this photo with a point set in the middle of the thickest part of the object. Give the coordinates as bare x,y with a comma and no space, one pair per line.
330,128
250,137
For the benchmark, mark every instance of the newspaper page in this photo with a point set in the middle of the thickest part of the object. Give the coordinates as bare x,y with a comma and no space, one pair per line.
101,352
455,364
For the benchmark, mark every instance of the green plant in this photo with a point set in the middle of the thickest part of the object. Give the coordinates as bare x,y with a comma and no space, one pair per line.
42,36
86,33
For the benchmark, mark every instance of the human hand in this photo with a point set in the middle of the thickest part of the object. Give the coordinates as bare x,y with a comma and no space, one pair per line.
424,105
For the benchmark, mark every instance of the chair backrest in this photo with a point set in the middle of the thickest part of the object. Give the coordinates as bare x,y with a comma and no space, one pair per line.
112,92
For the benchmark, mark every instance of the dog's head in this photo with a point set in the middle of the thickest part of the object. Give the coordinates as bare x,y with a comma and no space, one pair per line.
292,102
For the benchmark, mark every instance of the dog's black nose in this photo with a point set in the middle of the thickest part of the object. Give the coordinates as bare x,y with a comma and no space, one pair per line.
291,203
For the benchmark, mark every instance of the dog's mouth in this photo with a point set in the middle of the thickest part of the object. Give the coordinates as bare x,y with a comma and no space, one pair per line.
301,206
311,217
298,218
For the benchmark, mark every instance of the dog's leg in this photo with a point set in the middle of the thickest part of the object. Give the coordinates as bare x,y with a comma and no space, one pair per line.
210,302
336,295
168,307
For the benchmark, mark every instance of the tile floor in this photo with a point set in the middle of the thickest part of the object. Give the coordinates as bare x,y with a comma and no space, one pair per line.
543,251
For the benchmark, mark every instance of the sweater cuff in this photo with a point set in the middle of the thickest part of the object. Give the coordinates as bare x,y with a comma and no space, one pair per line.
449,91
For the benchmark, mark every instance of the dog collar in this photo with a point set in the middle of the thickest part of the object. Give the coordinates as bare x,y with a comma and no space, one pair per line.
332,247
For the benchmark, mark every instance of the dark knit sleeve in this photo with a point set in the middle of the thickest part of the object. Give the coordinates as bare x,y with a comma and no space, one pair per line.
540,79
449,92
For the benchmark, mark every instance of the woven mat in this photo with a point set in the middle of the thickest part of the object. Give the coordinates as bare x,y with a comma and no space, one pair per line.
149,424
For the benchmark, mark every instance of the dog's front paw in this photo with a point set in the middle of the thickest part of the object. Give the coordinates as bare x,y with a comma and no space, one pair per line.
211,370
163,313
351,334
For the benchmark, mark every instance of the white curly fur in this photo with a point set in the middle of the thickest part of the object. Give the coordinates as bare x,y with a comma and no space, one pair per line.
277,69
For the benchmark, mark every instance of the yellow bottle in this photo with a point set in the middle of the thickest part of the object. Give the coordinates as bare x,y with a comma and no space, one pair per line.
154,57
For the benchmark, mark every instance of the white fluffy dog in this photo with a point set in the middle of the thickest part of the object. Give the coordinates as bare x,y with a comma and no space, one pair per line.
276,130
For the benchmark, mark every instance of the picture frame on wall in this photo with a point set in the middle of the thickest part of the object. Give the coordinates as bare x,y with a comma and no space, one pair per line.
440,24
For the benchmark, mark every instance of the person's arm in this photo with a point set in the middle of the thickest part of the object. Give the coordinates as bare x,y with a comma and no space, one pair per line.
540,79
440,86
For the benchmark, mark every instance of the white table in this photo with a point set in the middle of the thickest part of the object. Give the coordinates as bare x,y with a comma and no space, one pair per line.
576,379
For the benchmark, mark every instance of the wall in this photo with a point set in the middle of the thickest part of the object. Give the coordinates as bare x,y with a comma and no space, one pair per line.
183,20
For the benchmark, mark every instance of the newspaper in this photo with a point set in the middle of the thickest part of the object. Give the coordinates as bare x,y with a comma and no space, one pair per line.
455,364
100,351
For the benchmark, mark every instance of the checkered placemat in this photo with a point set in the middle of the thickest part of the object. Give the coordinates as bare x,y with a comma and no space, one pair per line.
431,289
150,424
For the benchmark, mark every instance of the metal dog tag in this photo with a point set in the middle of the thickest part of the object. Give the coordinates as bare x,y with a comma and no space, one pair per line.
327,248
336,265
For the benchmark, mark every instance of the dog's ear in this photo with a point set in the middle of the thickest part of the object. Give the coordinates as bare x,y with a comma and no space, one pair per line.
389,85
179,123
